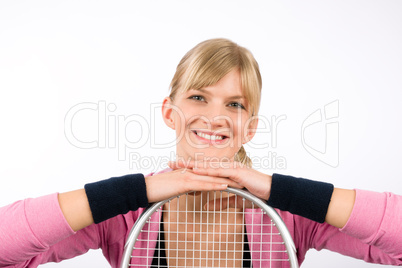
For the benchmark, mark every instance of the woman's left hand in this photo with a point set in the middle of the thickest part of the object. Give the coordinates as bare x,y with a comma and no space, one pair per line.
257,183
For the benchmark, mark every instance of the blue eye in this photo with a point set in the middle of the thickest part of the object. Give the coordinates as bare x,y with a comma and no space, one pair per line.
197,98
237,105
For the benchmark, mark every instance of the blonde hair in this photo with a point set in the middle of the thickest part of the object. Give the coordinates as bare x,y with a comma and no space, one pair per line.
208,62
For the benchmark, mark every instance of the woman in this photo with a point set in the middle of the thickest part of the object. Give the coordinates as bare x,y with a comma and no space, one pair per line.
214,99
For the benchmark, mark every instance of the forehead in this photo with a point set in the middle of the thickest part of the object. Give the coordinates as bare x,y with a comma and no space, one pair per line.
230,86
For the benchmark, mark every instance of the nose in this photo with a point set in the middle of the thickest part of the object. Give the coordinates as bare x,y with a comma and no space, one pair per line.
218,122
216,117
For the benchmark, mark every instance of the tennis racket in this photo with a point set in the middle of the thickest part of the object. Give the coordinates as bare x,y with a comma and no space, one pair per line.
179,232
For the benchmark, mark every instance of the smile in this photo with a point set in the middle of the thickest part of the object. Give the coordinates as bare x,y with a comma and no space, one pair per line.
209,137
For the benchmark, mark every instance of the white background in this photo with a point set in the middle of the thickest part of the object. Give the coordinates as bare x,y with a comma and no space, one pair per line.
55,55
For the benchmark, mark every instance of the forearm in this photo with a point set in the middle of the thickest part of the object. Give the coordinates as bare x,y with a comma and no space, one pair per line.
75,208
103,200
340,207
303,197
315,200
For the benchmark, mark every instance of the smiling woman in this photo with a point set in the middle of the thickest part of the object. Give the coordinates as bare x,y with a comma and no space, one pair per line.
224,82
215,120
213,107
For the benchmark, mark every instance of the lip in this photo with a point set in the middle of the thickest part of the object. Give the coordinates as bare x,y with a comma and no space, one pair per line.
203,140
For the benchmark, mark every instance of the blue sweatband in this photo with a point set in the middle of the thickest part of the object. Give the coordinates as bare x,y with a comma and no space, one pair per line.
115,196
303,197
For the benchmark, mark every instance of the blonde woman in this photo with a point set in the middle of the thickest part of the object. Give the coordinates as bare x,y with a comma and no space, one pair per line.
214,101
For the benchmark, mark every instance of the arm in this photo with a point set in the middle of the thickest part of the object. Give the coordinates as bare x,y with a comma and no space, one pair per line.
108,198
311,199
376,221
340,207
371,222
315,200
372,233
35,230
75,208
28,228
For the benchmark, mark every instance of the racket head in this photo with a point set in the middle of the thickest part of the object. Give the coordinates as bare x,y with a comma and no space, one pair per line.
270,243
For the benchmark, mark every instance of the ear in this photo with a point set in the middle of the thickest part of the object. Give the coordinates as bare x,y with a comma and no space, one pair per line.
250,128
167,112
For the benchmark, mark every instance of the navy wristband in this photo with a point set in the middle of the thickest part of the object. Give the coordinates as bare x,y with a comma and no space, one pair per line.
303,197
117,195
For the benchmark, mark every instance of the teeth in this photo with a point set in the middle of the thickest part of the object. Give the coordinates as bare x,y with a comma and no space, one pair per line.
209,137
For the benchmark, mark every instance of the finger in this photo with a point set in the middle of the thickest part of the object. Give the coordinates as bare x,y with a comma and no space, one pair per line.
218,172
206,186
180,164
215,164
212,179
222,164
191,164
166,185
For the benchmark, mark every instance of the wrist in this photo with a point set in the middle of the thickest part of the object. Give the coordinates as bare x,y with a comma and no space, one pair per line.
268,190
302,197
117,195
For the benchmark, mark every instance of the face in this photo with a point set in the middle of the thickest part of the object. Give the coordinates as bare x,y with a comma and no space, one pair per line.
211,123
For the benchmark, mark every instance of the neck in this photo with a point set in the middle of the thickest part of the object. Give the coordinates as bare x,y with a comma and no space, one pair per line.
200,157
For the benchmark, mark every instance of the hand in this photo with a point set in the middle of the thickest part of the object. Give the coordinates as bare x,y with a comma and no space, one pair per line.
254,181
180,181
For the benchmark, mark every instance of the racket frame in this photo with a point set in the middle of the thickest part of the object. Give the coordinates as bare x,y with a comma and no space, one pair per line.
274,216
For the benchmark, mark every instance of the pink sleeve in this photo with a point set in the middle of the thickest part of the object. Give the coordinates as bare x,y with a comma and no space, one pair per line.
30,227
373,232
376,220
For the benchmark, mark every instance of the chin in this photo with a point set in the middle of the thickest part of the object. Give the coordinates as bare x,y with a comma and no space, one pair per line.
213,155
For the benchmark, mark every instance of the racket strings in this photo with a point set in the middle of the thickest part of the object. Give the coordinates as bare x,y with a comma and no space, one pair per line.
191,236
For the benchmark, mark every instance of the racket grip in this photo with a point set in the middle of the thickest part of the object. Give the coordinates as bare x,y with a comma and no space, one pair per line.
115,196
303,197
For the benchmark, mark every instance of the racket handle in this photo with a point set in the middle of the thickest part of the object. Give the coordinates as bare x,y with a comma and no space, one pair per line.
115,196
303,197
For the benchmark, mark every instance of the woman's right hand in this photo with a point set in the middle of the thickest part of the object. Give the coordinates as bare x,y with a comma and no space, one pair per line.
165,185
76,209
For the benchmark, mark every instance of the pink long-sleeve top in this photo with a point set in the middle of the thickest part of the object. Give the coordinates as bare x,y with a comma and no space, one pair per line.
34,231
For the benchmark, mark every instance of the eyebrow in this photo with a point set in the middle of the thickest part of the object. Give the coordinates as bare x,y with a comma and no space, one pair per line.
208,93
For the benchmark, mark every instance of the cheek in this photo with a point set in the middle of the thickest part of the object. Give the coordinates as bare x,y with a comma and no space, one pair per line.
240,126
186,112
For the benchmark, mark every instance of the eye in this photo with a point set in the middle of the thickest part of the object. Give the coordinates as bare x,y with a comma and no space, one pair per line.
237,105
197,98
